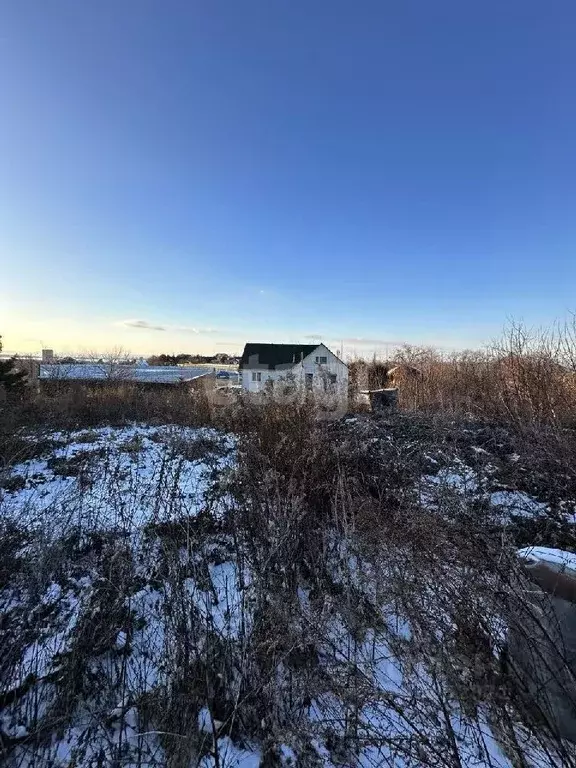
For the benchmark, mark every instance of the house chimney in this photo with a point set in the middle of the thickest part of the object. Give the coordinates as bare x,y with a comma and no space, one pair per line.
47,355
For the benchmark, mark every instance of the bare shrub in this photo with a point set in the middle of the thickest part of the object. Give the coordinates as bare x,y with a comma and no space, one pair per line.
527,378
314,598
424,598
319,604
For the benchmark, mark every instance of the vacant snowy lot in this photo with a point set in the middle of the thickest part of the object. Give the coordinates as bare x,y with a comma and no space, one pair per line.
117,478
178,596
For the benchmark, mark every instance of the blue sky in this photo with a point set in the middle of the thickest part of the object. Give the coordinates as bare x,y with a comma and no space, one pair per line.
277,169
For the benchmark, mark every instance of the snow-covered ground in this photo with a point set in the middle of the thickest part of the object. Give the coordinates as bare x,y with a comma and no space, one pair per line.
474,485
105,494
140,629
116,478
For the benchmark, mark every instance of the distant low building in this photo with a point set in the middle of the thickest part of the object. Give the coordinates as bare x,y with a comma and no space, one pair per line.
281,367
114,372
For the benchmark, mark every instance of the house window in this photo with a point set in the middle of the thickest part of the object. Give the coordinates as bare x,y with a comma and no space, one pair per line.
256,375
309,380
329,382
321,360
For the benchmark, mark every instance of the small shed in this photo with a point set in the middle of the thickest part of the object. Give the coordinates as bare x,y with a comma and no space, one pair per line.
403,373
382,399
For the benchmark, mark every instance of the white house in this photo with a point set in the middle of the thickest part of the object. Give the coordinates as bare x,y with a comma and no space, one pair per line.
284,367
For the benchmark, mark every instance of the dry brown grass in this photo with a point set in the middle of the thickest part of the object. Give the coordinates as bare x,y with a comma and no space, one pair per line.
345,565
527,378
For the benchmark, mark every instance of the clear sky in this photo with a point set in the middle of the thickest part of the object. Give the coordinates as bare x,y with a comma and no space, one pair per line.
275,170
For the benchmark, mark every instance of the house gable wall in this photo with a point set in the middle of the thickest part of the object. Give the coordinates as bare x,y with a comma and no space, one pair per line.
297,374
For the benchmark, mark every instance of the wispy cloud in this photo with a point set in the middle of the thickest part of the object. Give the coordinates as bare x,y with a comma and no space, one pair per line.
147,326
144,324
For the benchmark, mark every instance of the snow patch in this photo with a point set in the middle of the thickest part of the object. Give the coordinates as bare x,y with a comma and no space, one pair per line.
121,479
557,557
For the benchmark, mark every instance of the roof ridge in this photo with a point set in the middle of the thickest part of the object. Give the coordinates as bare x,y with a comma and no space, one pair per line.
270,355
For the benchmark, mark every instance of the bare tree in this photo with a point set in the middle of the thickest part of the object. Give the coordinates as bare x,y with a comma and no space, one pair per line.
116,364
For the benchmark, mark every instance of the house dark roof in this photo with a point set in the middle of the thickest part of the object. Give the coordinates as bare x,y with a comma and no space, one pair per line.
272,356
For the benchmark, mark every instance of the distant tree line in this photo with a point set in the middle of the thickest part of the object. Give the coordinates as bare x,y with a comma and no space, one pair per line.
221,358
